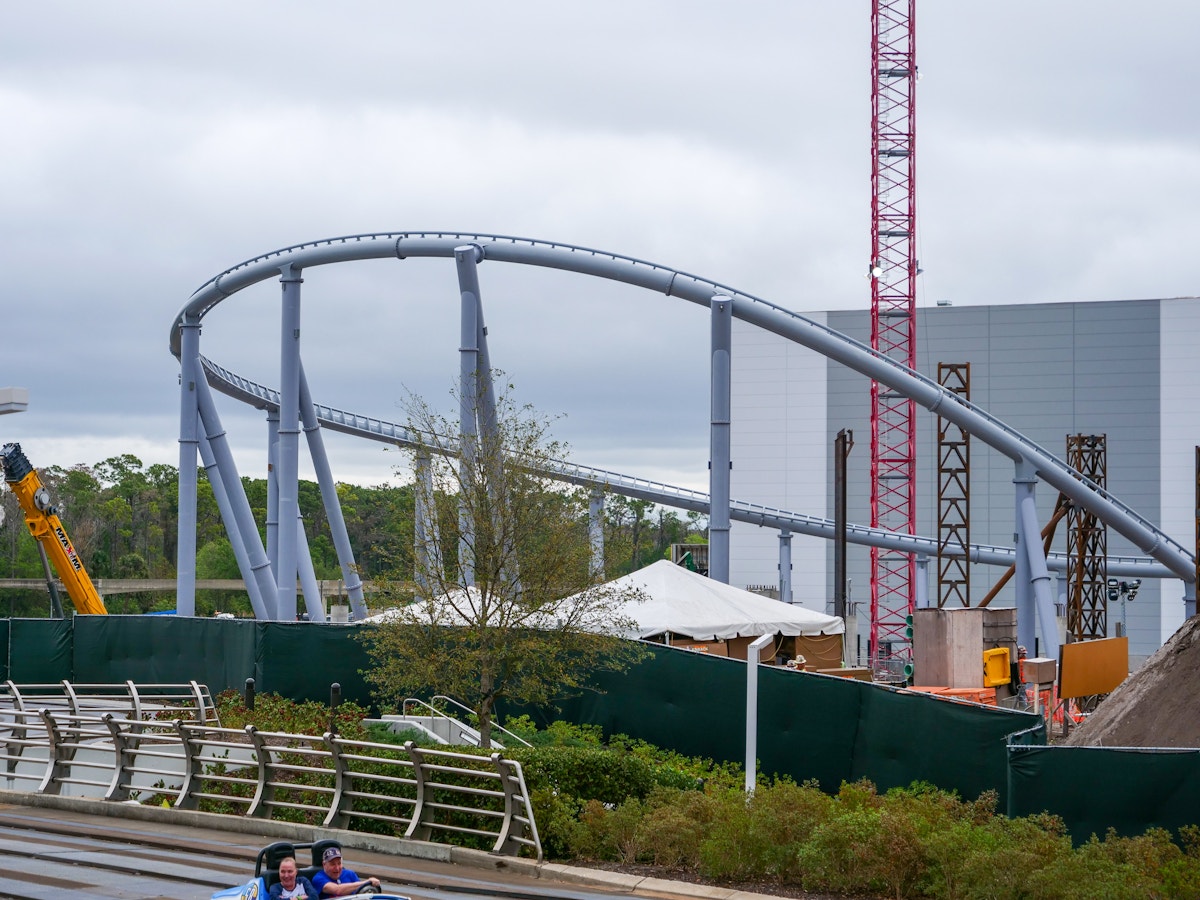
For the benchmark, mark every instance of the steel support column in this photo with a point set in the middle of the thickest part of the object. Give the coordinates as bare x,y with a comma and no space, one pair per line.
314,603
226,469
1035,598
189,438
229,520
273,487
465,258
921,581
329,497
719,460
1024,484
596,532
287,465
785,566
425,535
842,445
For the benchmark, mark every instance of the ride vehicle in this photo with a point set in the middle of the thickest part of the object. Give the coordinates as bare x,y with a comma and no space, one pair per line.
266,871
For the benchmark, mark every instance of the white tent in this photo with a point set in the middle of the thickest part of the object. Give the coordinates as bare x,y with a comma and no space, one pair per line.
684,603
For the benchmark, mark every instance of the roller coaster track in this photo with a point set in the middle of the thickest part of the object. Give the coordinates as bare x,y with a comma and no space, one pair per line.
1176,558
374,429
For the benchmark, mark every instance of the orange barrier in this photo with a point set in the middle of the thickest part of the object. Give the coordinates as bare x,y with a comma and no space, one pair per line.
986,696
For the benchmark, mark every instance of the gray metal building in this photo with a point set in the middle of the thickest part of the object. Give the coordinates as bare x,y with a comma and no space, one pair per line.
1129,370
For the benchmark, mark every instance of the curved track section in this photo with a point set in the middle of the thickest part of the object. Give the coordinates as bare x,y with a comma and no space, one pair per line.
261,397
754,310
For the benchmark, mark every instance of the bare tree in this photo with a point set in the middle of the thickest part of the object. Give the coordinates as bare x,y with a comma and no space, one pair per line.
501,603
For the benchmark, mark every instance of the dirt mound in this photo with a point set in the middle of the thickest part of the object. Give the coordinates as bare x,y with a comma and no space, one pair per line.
1157,706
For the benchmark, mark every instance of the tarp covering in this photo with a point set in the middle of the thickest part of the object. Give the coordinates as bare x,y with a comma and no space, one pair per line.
1097,788
810,726
686,603
218,653
302,660
39,650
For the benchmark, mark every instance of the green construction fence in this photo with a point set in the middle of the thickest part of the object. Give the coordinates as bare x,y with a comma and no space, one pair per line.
811,727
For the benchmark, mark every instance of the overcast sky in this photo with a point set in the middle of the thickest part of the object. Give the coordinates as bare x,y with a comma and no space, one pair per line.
147,146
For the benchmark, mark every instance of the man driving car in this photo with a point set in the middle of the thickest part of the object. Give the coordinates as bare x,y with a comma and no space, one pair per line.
334,880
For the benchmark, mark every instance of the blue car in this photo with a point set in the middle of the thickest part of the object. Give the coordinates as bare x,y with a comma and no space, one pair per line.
266,871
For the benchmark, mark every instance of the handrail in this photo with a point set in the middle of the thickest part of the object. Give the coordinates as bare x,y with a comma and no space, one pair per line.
190,701
426,793
416,701
496,725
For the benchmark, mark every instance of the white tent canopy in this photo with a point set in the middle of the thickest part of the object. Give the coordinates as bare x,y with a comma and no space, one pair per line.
684,603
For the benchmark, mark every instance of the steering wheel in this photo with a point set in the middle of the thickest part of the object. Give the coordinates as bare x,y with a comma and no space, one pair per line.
369,888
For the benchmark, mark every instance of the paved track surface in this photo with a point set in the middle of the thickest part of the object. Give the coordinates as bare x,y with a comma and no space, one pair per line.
59,853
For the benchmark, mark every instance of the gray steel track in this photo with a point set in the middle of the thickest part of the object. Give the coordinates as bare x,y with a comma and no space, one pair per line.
370,428
1176,558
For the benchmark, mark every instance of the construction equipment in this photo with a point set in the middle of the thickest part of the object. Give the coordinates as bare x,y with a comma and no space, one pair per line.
42,518
892,271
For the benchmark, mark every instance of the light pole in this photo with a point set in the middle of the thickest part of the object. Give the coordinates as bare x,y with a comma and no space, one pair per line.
13,400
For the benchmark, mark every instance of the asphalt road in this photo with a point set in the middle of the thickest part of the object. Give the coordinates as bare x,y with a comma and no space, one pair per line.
61,853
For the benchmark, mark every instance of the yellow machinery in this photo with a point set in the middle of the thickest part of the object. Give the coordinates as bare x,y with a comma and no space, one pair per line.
42,518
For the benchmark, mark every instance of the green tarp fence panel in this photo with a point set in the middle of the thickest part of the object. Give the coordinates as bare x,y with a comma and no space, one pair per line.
4,643
39,651
300,660
811,726
219,653
1097,788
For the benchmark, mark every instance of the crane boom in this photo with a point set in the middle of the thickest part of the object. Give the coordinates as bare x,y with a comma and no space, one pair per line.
893,274
42,518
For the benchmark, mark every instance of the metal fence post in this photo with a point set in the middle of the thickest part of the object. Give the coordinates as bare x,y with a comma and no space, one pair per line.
123,751
418,829
340,803
192,767
56,756
518,827
335,698
201,706
263,792
249,701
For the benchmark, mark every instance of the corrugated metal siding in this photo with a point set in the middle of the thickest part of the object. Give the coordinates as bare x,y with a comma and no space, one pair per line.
1048,370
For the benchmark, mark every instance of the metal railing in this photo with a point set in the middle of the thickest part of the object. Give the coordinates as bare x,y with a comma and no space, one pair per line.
469,733
327,780
189,702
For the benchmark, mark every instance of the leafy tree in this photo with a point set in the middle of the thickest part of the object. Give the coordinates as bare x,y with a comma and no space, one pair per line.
505,607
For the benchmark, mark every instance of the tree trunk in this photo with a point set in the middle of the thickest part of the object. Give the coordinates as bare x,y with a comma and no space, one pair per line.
484,711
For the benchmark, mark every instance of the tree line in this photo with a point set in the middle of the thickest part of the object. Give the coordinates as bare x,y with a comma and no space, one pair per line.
122,517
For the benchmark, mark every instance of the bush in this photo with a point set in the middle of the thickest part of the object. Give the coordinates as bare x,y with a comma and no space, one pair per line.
275,713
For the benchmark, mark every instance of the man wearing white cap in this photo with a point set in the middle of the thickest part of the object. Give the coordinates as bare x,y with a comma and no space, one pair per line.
336,881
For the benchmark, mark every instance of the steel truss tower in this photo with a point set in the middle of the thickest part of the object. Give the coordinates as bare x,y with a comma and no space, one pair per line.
954,494
1087,545
893,273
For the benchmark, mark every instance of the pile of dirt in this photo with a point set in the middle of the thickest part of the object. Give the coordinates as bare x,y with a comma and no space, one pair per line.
1157,706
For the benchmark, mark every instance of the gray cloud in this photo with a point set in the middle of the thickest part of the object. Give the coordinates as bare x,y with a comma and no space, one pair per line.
148,146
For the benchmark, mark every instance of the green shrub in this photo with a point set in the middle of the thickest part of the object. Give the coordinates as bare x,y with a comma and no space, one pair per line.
838,855
761,837
675,825
275,713
586,773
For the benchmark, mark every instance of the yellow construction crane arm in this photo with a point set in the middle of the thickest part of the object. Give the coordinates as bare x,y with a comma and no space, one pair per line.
42,518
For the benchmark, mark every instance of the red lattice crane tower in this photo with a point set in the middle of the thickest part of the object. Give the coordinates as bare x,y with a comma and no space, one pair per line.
893,275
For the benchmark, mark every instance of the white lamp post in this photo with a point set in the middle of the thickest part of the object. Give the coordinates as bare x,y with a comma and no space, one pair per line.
752,653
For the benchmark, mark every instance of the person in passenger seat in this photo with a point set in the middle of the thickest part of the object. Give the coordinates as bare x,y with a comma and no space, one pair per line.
292,885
